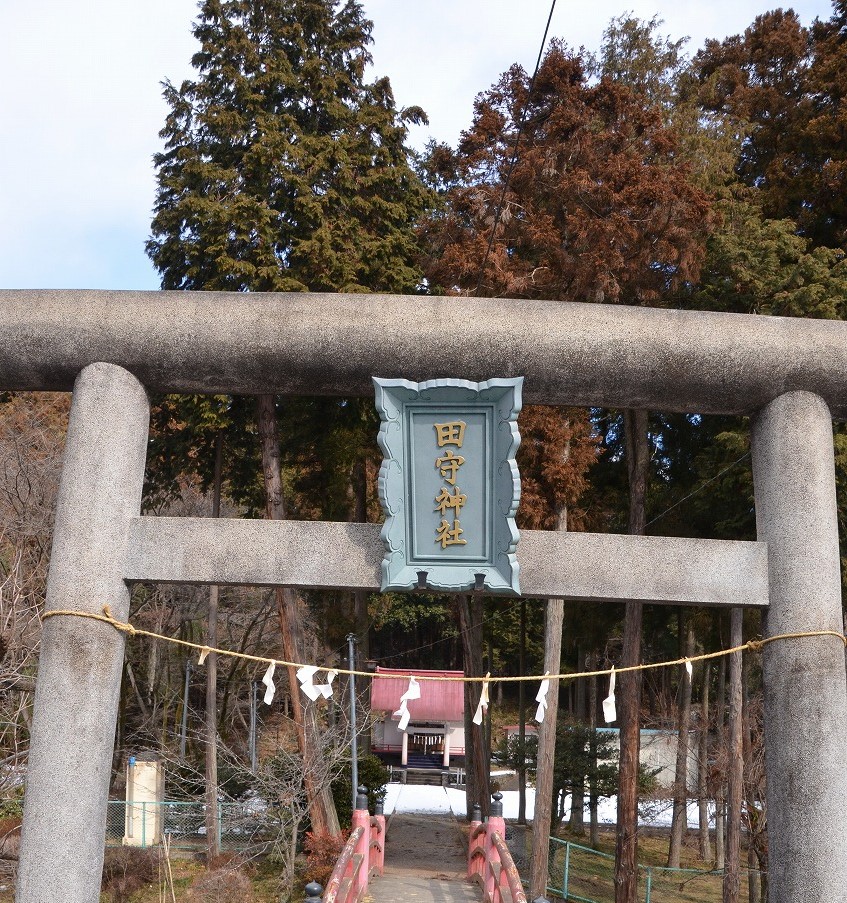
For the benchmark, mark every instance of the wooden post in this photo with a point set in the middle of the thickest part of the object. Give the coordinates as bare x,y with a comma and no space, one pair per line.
474,842
546,752
735,769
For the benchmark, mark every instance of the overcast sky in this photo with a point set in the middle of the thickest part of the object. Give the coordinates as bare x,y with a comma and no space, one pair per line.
81,106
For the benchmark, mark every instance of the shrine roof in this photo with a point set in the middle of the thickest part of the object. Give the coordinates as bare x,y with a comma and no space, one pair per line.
440,700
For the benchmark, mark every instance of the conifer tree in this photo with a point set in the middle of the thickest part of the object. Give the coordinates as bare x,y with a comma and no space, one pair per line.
786,84
283,169
600,208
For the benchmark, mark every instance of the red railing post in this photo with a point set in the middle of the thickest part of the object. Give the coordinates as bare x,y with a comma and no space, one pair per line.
362,819
338,888
495,825
377,844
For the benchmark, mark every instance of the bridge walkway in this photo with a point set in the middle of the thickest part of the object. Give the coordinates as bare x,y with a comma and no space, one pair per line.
425,862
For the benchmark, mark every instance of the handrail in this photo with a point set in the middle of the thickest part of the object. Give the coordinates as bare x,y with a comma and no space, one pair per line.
345,868
647,873
489,859
363,856
509,869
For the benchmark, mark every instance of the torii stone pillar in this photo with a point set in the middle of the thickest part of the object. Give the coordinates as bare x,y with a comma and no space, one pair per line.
81,661
805,689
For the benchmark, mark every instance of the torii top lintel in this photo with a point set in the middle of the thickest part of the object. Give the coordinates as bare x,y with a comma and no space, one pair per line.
332,344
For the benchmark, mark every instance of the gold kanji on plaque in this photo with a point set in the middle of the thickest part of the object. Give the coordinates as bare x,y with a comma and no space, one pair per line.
448,465
452,433
445,502
449,536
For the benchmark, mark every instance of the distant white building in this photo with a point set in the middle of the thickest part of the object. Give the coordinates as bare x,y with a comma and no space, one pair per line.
658,751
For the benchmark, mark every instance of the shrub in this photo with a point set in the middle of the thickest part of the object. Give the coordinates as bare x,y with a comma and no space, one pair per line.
322,852
126,870
222,885
372,774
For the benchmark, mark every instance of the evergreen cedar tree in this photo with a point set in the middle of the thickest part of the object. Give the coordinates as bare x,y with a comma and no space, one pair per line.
599,206
785,85
282,170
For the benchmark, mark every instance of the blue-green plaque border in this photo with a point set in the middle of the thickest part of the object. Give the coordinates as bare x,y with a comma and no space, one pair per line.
499,574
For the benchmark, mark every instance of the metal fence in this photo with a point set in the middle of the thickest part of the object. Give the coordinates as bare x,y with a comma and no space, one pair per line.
240,826
586,875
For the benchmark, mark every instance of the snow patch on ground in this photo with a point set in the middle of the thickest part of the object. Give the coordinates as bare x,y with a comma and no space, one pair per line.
444,801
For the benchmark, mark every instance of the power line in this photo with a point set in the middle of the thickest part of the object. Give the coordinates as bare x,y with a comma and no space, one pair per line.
700,488
521,125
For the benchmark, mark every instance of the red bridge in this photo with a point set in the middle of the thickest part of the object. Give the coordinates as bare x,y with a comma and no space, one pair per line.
426,858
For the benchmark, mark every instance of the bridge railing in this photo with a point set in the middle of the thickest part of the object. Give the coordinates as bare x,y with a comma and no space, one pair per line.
489,861
363,855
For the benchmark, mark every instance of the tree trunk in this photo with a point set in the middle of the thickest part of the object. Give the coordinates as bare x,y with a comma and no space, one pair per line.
213,847
546,752
321,806
702,769
720,790
754,889
679,825
592,751
735,767
470,622
629,698
577,820
522,719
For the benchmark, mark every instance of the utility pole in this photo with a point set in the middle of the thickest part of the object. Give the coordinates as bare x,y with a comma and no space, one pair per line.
253,727
184,727
546,752
212,817
354,746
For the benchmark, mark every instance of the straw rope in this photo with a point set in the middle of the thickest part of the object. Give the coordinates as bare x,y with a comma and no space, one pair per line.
755,645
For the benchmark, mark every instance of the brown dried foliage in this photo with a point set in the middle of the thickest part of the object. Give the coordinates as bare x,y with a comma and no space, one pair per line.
126,870
322,852
598,208
222,885
557,449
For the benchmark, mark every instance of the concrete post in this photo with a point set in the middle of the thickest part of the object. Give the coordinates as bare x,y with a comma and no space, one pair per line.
805,690
79,673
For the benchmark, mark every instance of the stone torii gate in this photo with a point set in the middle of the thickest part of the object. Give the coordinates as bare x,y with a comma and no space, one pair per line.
113,347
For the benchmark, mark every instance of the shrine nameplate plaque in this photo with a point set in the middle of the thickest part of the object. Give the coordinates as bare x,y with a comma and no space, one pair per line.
449,484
